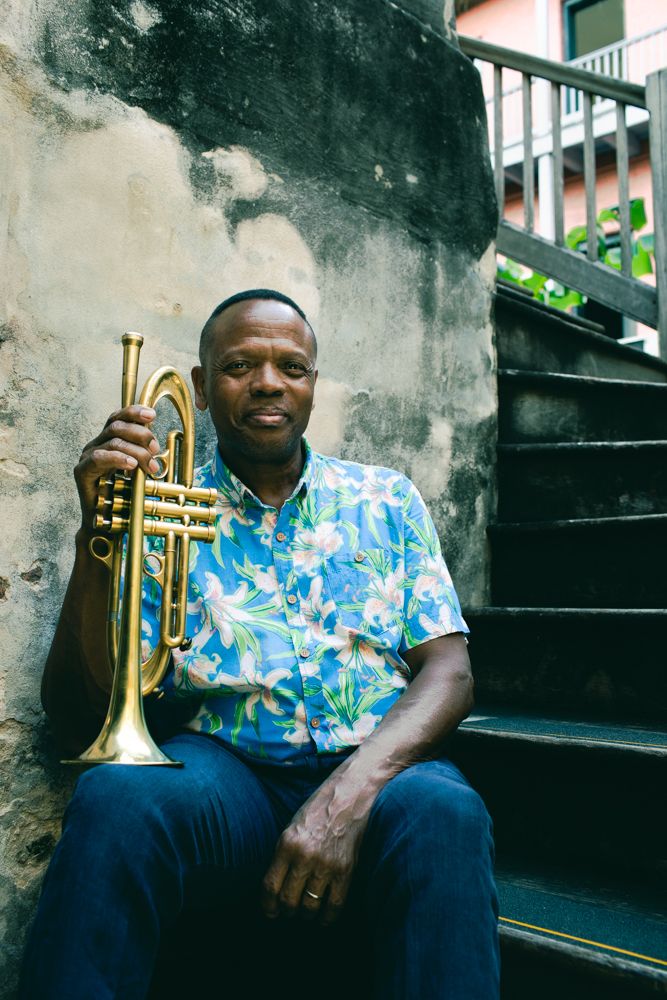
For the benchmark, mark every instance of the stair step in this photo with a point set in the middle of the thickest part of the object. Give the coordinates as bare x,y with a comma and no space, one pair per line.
567,480
546,406
536,337
499,724
571,659
563,934
583,791
589,562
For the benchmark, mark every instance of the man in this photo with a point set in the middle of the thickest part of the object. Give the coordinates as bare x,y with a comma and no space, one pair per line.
328,665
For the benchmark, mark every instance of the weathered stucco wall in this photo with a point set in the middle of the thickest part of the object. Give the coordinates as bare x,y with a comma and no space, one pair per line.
156,157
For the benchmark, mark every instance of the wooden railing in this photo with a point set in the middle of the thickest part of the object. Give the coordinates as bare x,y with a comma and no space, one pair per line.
549,254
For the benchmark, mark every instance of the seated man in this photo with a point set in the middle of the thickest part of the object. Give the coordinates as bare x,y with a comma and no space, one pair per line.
328,666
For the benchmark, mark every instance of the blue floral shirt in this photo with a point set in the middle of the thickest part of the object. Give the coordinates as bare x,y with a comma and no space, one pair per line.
300,618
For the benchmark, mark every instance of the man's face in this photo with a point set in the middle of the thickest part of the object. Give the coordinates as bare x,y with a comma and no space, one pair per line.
258,380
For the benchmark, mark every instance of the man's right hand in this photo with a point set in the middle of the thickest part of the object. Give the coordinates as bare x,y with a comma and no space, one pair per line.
125,442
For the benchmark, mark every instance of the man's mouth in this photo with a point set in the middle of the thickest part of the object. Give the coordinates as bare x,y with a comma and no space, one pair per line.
266,417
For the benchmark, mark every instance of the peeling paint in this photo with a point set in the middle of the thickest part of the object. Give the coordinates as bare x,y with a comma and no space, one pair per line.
16,469
144,15
240,171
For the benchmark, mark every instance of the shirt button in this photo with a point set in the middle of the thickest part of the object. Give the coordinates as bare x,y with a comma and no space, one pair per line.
315,722
304,653
291,598
359,557
281,536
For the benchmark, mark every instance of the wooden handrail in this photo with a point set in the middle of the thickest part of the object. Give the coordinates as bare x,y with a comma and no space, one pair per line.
562,73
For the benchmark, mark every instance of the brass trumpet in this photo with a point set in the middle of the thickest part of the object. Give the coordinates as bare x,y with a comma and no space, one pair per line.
128,509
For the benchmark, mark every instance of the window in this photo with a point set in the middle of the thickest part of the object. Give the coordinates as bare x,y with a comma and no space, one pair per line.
591,24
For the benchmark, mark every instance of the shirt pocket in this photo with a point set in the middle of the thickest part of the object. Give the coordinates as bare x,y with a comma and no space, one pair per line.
366,591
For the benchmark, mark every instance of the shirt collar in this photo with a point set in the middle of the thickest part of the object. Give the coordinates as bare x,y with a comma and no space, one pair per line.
240,494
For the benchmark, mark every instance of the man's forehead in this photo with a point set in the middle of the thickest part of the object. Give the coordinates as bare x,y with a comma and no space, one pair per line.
259,314
258,320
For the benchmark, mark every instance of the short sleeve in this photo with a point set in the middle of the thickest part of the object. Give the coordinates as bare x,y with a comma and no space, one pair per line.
431,605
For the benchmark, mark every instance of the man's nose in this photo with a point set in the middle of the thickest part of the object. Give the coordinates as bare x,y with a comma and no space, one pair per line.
267,379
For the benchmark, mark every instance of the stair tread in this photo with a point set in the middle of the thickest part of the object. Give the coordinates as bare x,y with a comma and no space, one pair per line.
500,611
524,297
562,378
540,447
625,520
532,727
622,922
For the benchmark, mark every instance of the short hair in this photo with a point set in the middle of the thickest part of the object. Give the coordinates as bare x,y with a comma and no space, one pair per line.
250,293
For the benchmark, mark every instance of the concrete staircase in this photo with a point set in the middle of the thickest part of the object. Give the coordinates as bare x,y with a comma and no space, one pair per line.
568,743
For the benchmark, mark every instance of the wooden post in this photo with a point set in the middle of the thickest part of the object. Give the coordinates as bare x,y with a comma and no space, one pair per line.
656,102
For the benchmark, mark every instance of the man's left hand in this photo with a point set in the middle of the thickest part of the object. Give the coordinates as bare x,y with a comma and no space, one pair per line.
312,866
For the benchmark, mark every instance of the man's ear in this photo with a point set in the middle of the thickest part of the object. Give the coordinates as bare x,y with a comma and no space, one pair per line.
199,382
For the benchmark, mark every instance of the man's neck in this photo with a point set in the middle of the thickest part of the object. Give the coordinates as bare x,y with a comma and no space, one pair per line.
271,483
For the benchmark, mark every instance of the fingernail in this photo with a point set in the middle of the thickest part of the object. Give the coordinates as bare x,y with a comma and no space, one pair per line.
147,413
130,462
153,465
154,447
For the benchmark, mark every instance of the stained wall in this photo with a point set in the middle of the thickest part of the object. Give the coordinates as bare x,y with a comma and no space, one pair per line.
156,157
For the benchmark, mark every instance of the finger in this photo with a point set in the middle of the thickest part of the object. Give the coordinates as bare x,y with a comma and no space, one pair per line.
138,434
312,900
113,455
95,464
335,900
135,414
88,472
145,457
272,884
291,893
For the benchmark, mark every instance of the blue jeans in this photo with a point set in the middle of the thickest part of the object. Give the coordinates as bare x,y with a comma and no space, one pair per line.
142,845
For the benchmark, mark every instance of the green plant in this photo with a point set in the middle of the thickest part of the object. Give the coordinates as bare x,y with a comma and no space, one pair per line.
552,292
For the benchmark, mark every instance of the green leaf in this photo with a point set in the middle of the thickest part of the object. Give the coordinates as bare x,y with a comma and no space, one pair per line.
637,214
608,215
569,299
613,258
510,270
575,237
647,241
641,261
535,281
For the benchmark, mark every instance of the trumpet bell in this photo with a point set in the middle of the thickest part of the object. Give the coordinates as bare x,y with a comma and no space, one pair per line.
123,746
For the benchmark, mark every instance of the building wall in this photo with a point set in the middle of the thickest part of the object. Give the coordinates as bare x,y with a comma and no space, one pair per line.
157,157
513,23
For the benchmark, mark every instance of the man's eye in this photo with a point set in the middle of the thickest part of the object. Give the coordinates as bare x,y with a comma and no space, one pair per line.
293,366
236,366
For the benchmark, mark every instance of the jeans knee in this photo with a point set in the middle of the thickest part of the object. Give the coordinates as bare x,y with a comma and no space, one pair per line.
114,802
433,802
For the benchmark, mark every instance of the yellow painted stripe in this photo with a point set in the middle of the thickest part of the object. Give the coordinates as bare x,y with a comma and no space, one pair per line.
596,944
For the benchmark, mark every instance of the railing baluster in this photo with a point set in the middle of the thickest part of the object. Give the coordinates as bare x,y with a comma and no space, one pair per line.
528,171
656,100
622,168
589,180
498,140
557,162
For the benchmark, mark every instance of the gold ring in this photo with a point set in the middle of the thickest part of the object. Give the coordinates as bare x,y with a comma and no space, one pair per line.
312,895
